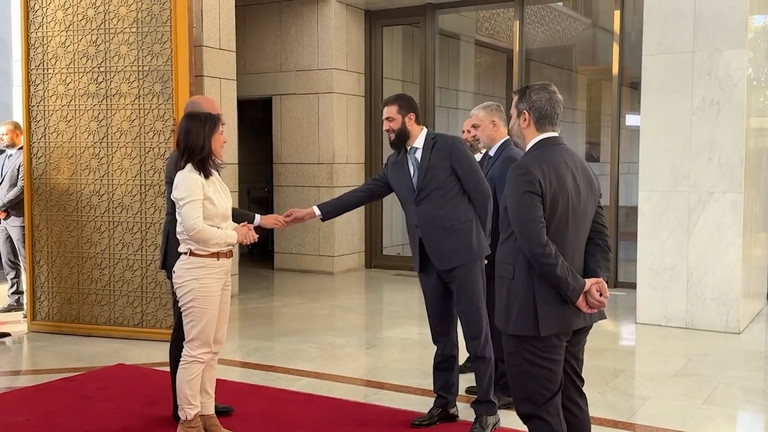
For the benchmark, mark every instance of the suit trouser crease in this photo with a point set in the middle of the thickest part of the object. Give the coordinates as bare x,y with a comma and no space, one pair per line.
448,293
546,382
500,382
14,260
203,287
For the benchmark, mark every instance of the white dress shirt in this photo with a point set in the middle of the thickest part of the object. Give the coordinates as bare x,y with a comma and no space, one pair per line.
479,155
204,212
539,138
418,144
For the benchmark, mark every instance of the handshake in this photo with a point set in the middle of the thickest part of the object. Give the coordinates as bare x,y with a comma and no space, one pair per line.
247,235
594,298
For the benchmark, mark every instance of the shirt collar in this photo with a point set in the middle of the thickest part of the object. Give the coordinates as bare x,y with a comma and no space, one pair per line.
12,151
539,138
419,143
496,146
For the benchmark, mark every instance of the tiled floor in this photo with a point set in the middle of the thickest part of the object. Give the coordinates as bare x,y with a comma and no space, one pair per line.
371,325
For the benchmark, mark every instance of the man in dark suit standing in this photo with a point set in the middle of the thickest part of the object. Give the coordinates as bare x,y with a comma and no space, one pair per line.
12,246
447,207
169,250
488,125
553,236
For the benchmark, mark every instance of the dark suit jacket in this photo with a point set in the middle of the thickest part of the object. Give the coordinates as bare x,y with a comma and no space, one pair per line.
496,172
553,236
450,210
169,249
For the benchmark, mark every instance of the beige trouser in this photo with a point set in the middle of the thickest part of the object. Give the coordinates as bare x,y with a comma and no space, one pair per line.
203,286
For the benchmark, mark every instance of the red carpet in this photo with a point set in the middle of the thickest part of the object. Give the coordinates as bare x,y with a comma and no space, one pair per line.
135,399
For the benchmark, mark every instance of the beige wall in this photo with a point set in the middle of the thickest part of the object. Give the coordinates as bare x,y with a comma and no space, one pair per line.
308,56
215,76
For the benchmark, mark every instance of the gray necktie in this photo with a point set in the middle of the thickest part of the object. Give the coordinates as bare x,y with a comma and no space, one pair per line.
5,163
415,164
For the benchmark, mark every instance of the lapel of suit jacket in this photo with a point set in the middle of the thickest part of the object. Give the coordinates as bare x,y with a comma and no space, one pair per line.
496,156
426,153
402,174
16,156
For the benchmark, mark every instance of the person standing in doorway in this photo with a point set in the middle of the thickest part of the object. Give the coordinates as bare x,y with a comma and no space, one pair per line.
12,247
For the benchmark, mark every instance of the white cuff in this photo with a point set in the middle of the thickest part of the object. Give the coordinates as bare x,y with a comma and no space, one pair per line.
317,212
257,220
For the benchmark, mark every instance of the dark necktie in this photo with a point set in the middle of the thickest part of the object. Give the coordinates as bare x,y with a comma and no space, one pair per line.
487,162
415,164
5,163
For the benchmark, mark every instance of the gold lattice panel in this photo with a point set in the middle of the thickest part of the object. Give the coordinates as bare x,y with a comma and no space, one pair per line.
101,119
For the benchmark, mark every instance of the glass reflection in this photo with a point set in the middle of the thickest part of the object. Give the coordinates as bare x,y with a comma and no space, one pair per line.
401,64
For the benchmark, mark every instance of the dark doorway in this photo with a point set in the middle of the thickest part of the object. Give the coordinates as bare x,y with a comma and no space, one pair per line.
254,138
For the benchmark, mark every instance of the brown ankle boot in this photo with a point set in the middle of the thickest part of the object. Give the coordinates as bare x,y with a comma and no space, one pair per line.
194,425
211,424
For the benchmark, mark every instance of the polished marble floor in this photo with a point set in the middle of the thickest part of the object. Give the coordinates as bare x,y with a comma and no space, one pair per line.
364,336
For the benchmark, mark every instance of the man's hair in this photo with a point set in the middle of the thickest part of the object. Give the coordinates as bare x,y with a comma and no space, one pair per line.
193,142
13,125
405,105
491,110
544,104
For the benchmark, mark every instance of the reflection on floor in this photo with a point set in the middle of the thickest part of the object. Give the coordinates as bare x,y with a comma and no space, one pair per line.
364,336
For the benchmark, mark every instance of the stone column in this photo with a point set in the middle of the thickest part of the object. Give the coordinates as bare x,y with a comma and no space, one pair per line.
216,76
308,55
703,200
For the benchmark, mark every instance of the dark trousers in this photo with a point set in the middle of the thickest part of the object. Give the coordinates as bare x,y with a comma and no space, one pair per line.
500,381
14,259
461,291
176,347
546,382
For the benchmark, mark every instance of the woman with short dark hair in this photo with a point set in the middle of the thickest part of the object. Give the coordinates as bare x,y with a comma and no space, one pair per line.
201,277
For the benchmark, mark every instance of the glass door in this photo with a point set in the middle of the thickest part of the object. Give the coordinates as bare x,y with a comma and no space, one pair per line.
397,66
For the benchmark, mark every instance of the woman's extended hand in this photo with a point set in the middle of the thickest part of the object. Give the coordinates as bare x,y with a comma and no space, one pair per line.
245,234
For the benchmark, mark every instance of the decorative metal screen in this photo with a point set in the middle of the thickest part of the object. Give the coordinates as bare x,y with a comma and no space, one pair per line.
101,118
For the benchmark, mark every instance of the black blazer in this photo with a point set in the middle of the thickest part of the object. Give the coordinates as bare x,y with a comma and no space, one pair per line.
450,211
553,236
169,248
496,172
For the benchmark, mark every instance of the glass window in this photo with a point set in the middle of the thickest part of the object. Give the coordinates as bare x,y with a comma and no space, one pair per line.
474,52
629,139
570,44
401,73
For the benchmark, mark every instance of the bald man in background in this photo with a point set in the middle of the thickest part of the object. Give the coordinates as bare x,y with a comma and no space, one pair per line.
169,251
473,143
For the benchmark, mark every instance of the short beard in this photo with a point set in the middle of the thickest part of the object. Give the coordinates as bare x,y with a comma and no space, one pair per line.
400,141
474,147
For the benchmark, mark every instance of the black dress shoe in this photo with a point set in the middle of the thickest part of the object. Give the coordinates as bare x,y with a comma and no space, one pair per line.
12,308
436,416
224,410
465,367
485,423
4,335
471,390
